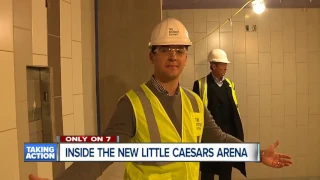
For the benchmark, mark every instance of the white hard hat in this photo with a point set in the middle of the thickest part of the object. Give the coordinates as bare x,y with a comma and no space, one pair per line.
170,32
218,55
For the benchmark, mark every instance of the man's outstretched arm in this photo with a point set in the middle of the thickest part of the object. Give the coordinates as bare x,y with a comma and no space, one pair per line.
122,124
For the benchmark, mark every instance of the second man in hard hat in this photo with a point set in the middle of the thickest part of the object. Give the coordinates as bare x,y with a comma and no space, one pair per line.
218,94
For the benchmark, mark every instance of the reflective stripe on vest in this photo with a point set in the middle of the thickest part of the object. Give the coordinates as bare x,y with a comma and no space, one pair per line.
203,89
203,86
154,125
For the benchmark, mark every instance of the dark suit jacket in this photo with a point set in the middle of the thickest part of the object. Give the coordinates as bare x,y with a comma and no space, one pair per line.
215,167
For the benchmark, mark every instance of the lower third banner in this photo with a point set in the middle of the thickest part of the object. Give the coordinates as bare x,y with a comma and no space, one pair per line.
173,152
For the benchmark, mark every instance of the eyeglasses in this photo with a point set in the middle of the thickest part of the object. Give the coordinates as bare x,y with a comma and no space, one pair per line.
164,50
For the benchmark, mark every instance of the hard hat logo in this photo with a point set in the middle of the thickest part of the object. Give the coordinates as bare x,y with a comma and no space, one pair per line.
173,32
170,32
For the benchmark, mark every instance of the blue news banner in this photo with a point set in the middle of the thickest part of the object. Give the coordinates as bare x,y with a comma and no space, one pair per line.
41,152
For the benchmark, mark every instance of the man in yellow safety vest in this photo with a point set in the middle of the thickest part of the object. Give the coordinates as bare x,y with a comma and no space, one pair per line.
162,111
219,96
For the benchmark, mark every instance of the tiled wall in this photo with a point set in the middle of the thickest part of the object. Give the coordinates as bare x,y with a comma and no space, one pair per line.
58,36
277,77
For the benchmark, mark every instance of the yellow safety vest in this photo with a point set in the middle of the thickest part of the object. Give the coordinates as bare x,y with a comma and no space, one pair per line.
203,89
154,125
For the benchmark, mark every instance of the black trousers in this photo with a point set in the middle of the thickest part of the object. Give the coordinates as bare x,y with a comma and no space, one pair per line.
224,172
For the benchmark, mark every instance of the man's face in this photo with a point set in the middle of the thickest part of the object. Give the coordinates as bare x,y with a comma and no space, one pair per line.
169,61
220,69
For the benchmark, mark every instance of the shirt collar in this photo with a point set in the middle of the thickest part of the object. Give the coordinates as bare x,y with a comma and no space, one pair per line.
161,89
217,80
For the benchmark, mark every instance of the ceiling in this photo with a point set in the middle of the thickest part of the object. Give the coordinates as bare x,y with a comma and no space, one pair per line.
218,4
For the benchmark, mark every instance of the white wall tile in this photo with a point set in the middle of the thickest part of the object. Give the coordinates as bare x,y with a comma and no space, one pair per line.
201,71
39,28
313,41
78,114
301,46
301,166
300,20
213,39
314,125
200,49
9,155
239,17
277,110
239,37
290,98
290,121
200,23
289,68
264,41
6,15
76,19
314,98
253,79
263,21
288,30
265,100
39,60
225,14
277,78
186,16
226,42
289,44
66,86
22,58
302,78
250,17
314,66
276,47
301,140
265,131
302,106
189,27
240,69
275,20
65,29
213,15
265,68
254,131
313,28
253,110
68,129
68,125
313,19
252,47
7,95
290,136
77,68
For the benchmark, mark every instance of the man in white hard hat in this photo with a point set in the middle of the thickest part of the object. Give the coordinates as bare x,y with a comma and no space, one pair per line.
218,94
153,112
